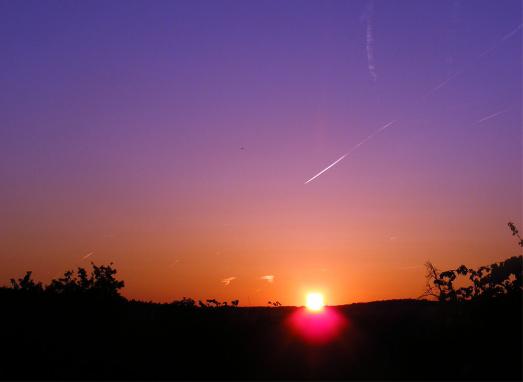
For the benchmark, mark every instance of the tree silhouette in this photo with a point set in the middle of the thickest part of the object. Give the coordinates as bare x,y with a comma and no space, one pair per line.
27,285
515,232
99,283
495,280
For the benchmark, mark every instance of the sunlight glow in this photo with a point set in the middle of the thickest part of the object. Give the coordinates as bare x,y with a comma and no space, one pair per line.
315,302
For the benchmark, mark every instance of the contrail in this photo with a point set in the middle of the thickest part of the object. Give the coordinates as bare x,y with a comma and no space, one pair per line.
351,151
326,168
492,116
369,40
88,255
484,53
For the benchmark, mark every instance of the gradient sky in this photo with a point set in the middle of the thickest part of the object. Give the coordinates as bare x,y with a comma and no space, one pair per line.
122,125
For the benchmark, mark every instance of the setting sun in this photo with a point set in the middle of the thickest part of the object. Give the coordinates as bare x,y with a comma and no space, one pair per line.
315,302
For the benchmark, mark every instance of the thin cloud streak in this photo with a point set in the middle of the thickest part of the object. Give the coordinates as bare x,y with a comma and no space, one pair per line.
351,151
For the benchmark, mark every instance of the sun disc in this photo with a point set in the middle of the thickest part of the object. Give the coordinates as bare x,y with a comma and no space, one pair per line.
315,302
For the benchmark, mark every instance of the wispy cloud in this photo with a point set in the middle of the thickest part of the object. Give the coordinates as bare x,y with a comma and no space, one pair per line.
228,280
351,150
88,255
490,116
369,40
269,278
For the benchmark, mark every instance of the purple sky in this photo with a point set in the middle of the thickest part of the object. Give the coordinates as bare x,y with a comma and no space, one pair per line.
122,125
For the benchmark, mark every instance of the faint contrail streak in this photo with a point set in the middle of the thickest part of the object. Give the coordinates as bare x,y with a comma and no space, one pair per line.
443,83
510,34
487,51
491,116
350,151
504,38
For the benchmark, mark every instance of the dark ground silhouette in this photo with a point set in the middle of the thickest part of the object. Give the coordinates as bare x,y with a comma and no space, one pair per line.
79,328
404,339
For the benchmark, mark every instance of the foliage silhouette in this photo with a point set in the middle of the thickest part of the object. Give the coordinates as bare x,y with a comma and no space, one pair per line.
27,285
515,232
495,280
100,283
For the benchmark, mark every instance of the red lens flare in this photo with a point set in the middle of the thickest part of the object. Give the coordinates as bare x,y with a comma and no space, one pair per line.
317,327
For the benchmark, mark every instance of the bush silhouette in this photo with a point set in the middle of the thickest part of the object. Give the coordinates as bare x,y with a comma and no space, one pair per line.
213,303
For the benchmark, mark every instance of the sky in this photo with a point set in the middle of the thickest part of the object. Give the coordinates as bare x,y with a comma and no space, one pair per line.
175,139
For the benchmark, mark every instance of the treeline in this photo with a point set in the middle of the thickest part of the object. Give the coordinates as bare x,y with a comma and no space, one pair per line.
98,284
186,302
